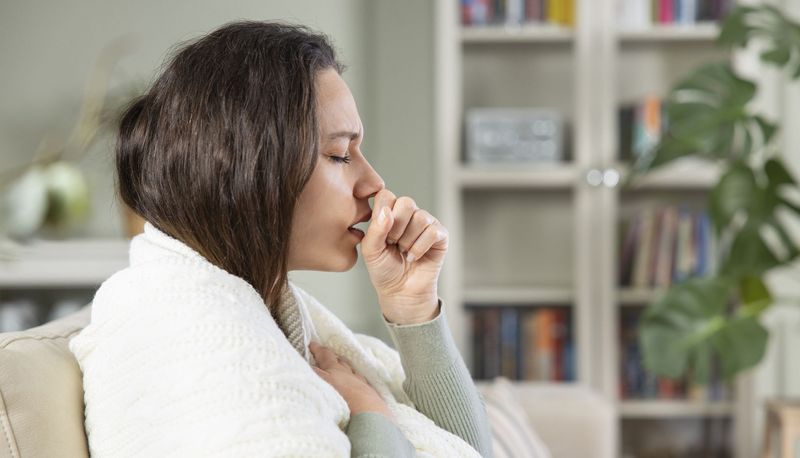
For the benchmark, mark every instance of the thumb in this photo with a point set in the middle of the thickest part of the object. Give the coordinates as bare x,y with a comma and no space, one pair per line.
375,239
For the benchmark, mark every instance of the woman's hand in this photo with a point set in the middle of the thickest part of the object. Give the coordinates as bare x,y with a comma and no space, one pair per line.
352,386
404,251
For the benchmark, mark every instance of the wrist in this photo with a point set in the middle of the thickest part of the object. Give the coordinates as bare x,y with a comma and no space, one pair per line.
410,312
375,406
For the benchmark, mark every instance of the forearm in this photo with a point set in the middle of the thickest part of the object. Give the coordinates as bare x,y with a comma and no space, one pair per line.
372,435
438,382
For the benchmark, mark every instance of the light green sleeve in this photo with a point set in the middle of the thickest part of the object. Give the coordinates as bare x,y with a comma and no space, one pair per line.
374,436
438,381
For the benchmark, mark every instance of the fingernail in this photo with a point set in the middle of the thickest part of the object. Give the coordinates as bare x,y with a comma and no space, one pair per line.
382,216
410,257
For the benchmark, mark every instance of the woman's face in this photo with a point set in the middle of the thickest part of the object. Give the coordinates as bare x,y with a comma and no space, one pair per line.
337,195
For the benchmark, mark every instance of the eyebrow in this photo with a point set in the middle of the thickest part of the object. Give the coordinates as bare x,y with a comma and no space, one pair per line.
344,134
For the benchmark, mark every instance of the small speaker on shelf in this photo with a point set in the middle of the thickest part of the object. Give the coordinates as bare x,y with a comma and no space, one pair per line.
514,135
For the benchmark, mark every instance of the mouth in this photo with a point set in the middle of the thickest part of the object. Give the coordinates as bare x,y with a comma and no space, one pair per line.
359,230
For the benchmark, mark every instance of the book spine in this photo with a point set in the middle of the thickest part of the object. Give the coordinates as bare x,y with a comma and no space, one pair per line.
529,345
508,338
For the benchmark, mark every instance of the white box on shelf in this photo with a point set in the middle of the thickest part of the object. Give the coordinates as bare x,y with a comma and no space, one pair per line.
514,135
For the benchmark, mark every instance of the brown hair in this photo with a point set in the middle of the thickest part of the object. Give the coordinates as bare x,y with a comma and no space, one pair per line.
217,151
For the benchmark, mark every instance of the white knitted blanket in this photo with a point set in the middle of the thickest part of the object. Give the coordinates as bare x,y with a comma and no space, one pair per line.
183,359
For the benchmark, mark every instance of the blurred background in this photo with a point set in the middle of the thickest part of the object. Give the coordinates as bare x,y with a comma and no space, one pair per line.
536,131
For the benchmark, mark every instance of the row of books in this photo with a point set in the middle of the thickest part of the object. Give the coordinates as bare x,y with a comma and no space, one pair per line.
631,14
517,12
641,126
637,383
666,245
523,343
639,14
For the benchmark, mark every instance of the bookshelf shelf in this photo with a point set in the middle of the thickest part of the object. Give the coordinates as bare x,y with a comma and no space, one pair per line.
489,296
706,31
686,174
674,409
638,297
53,263
545,176
528,33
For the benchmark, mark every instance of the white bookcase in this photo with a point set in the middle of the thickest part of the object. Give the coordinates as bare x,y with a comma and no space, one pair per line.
549,234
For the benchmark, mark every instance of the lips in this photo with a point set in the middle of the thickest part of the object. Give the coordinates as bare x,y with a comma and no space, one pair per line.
360,231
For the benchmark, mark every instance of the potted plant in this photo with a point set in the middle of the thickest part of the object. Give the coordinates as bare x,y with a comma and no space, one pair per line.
50,191
714,320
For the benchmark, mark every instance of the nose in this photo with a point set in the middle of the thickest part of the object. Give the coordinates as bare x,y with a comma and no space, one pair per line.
370,183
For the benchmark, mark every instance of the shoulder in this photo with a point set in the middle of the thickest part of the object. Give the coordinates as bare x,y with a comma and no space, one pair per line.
172,303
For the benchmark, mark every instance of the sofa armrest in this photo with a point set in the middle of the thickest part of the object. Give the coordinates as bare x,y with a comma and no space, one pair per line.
572,420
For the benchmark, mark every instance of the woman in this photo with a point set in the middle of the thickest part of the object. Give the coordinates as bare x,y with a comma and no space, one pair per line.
244,157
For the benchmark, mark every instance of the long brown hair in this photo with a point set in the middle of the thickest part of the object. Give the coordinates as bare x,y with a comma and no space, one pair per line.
217,151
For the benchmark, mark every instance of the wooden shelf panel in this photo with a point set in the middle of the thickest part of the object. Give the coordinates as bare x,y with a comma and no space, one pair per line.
69,263
549,33
529,33
705,31
638,296
518,296
682,174
543,176
674,408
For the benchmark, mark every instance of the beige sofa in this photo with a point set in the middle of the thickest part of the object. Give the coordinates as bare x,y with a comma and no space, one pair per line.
41,401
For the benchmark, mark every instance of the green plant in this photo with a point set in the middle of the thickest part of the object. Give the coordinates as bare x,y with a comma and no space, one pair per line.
718,316
51,190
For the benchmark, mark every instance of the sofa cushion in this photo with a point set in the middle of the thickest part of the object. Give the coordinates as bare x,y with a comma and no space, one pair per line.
512,434
41,391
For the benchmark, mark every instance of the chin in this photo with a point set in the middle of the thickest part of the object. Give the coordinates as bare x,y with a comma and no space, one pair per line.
341,263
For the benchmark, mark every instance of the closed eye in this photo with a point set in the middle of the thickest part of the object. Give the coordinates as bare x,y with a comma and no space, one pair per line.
340,159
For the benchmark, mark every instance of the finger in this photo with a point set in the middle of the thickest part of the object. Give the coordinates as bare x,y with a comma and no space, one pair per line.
324,356
321,372
374,241
384,198
433,234
404,208
419,222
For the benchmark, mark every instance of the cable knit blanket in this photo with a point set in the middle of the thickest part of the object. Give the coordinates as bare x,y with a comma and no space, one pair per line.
183,359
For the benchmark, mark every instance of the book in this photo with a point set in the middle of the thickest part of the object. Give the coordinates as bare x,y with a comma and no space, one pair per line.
642,262
491,343
528,345
544,351
508,343
666,247
478,372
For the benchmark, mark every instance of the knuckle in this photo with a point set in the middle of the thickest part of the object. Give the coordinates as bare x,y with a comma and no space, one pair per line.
425,217
406,201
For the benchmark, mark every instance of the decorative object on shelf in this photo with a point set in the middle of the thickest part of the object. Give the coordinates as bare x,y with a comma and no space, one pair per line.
514,135
695,321
51,191
782,419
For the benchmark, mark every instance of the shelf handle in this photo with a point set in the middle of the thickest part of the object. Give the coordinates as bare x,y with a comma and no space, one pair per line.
594,177
611,177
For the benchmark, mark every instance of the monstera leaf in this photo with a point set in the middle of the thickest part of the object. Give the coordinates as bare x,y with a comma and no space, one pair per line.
781,35
691,325
708,118
746,205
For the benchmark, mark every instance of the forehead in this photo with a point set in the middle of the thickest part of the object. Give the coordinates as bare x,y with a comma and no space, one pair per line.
336,108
